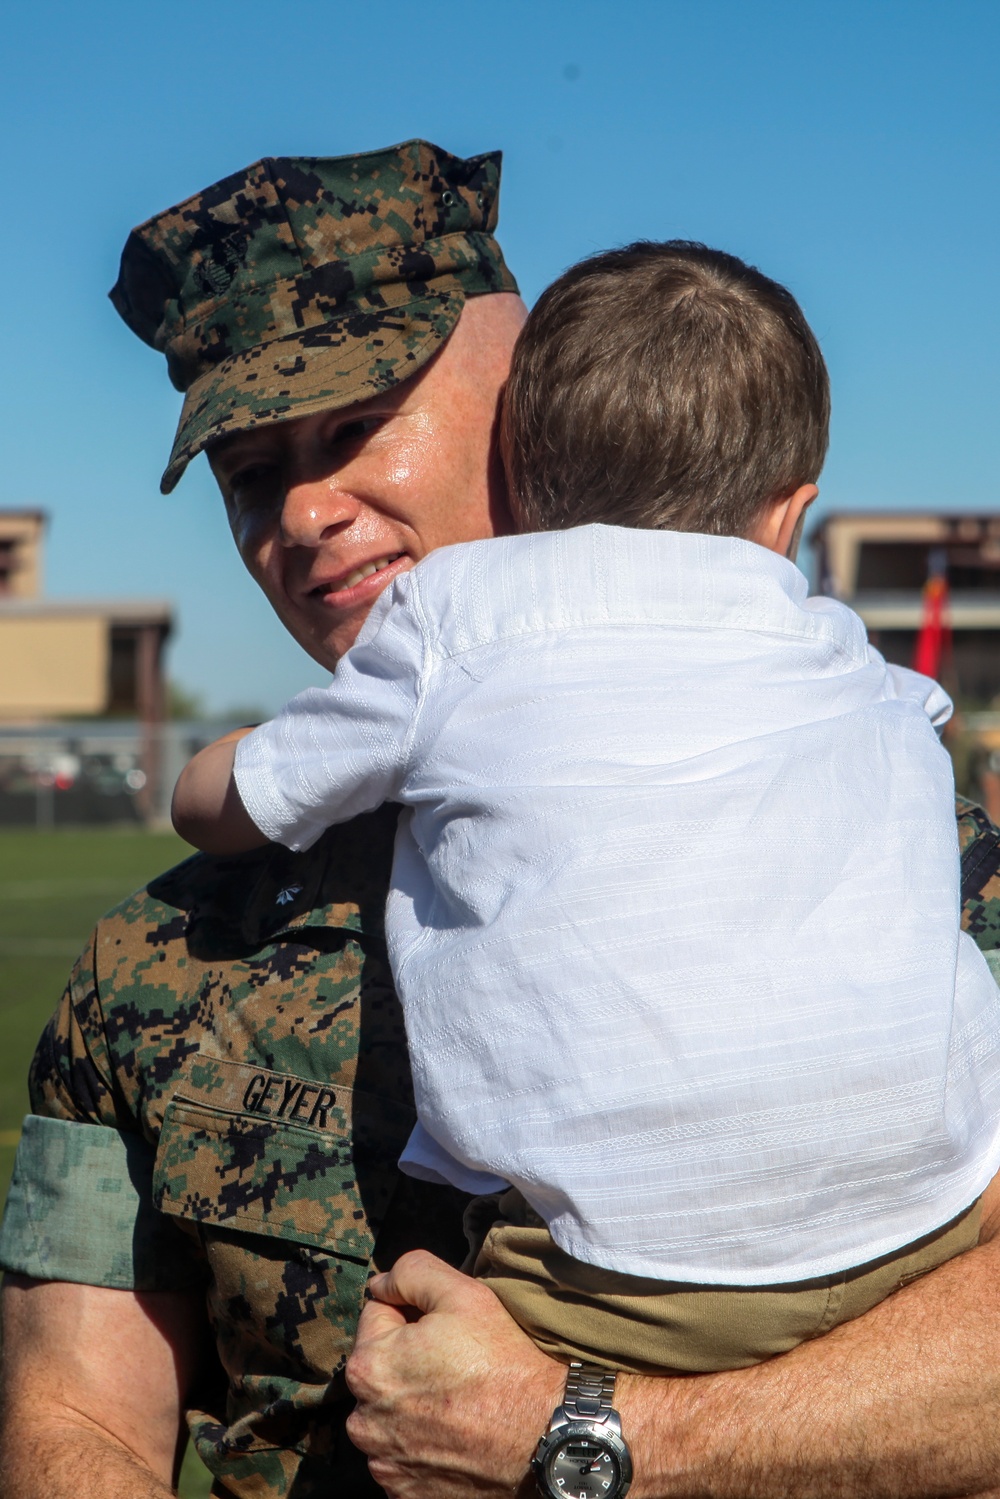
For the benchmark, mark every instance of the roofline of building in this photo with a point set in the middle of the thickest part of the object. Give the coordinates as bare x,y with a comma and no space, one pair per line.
24,512
917,514
123,611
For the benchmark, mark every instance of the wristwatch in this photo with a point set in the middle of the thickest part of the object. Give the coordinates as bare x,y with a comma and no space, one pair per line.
583,1454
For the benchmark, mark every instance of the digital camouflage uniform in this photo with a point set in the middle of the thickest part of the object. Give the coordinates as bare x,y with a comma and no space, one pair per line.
239,1017
236,1023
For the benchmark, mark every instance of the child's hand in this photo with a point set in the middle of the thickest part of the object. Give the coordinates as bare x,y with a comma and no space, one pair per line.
206,808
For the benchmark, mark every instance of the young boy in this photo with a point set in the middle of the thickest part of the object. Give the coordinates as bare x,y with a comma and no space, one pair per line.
721,1125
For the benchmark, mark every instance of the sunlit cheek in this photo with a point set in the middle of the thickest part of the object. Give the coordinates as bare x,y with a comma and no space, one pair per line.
403,467
261,558
412,461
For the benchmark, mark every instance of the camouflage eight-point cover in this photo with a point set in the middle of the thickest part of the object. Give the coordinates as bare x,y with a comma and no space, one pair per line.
307,283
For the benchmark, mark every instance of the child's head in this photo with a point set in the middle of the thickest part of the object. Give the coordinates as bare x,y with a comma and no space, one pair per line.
666,386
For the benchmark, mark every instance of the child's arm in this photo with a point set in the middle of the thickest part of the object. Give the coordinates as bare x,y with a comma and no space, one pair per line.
206,809
331,754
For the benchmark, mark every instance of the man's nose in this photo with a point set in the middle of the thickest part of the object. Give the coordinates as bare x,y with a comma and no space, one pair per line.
312,508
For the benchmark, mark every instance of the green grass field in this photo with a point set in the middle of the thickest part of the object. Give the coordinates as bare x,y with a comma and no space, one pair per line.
53,886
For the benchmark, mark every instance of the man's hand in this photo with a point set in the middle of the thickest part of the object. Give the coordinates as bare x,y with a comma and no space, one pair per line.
452,1396
903,1403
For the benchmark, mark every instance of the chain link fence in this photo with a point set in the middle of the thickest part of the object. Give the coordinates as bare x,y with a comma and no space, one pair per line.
55,775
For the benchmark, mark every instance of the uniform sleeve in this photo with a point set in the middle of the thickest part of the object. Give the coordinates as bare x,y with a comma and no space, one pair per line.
335,752
80,1204
979,842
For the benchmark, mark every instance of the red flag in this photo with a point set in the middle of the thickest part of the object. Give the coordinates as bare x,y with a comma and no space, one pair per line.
934,639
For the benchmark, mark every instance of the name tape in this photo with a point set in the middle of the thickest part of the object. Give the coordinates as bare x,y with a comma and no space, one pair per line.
220,1082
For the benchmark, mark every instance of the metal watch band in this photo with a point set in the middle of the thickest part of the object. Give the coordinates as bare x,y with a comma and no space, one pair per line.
590,1392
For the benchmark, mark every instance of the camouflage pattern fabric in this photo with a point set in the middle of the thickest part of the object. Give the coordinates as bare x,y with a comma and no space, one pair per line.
80,1209
239,1015
979,842
305,284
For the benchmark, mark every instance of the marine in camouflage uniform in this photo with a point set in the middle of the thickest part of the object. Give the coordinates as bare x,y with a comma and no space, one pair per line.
221,1098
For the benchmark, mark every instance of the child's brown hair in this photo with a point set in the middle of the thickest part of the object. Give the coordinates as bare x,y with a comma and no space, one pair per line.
666,386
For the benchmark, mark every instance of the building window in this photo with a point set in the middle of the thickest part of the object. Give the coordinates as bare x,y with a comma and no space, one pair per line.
902,566
8,564
123,670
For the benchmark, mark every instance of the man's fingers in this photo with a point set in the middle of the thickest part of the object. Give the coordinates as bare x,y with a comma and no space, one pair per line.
423,1281
375,1325
378,1321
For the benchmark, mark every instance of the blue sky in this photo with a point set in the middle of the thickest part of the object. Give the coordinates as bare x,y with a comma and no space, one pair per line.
849,149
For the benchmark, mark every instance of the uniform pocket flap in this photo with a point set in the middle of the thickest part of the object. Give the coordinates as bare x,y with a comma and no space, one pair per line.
271,1153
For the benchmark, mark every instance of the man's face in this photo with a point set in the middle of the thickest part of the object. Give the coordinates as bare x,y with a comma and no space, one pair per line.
327,509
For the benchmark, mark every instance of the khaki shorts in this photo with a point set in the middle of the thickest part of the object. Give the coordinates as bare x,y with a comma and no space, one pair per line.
577,1311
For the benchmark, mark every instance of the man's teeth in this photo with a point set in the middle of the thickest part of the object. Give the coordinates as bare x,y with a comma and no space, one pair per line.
360,573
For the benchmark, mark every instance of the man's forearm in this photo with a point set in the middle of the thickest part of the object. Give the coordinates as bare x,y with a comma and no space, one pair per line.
92,1389
64,1459
903,1402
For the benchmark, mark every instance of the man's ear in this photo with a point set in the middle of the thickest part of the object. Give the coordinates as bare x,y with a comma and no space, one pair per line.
780,526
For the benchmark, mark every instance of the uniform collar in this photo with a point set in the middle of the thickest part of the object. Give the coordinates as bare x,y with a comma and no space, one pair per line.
257,898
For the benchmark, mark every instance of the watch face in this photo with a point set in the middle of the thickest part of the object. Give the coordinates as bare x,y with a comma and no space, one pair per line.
582,1468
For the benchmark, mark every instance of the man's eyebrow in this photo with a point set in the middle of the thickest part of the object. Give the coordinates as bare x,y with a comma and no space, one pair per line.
234,444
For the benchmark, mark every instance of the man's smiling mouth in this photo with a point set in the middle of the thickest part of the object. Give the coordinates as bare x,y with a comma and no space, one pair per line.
358,575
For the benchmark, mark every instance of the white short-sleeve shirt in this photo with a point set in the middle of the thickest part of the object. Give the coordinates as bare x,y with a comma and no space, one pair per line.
674,915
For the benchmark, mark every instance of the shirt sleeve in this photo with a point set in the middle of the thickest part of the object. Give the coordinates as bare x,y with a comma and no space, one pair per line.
335,752
80,1206
924,691
80,1209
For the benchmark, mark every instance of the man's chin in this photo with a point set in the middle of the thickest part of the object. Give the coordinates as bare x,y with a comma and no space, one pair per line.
325,653
325,647
330,628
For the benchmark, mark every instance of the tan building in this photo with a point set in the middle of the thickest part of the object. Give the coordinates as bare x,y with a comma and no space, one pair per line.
62,658
21,553
879,565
